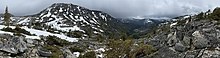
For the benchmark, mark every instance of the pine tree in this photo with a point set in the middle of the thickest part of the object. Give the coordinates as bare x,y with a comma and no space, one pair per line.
7,17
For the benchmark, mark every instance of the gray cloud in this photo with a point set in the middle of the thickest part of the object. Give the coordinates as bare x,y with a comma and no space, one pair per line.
118,8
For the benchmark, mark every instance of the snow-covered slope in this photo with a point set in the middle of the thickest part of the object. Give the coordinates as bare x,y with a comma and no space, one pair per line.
38,33
72,21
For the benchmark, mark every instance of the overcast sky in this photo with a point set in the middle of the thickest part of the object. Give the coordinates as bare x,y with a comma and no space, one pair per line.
117,8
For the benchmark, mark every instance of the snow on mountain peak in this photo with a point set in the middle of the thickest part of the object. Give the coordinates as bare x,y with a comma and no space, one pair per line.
62,18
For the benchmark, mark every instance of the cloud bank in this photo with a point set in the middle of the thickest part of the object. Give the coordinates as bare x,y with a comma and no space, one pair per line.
117,8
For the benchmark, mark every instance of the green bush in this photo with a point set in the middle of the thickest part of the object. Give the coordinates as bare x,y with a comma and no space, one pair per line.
76,49
56,52
216,14
19,30
8,29
143,50
75,34
18,34
88,55
200,16
119,48
38,27
53,40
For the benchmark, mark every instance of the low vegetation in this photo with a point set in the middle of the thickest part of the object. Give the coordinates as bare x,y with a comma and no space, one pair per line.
56,52
127,49
216,14
53,40
88,55
53,44
76,49
75,34
17,30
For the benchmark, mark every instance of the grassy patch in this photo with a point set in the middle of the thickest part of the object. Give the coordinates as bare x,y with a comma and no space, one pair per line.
76,49
56,52
88,55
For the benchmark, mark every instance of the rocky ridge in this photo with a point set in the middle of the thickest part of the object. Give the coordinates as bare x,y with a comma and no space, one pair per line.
190,37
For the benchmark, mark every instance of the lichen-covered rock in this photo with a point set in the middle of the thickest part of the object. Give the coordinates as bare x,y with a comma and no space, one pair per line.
211,54
189,38
14,45
67,53
180,47
44,53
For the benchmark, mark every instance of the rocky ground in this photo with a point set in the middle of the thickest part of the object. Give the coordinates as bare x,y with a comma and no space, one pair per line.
190,37
20,47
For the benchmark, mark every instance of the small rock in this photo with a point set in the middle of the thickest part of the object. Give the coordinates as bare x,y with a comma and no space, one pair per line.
186,41
172,39
14,45
211,54
44,52
67,53
201,43
190,56
179,47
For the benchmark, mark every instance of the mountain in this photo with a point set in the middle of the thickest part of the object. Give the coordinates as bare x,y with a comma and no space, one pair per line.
72,20
60,29
140,26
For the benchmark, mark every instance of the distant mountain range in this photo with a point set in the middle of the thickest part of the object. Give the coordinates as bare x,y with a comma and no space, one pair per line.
141,26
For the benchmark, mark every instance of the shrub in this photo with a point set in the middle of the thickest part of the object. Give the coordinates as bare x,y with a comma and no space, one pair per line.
75,34
8,29
19,30
56,52
76,49
88,55
216,14
53,40
119,48
18,34
37,27
142,50
200,16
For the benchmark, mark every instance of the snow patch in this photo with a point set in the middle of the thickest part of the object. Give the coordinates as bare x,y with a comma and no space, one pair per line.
76,53
60,10
45,33
32,37
173,24
3,32
39,33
